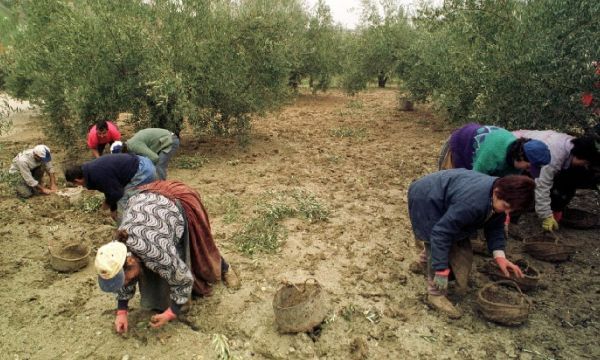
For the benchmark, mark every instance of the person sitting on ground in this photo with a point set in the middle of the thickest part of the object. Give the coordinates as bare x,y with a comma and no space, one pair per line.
115,175
102,133
30,166
164,246
446,208
574,165
158,145
493,151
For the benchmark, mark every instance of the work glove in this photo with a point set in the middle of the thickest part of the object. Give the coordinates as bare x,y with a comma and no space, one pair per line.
159,320
506,265
121,323
550,224
440,280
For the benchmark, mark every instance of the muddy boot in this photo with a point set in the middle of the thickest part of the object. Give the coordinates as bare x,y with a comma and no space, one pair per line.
417,267
185,308
442,304
231,280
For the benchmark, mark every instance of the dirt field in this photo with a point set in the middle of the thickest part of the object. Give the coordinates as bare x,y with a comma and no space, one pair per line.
357,156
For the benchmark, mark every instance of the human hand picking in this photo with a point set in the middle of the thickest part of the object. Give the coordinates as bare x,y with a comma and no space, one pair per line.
121,322
159,320
507,266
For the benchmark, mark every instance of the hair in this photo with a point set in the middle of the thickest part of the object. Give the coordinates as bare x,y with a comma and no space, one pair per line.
124,148
516,190
584,148
74,172
516,151
101,125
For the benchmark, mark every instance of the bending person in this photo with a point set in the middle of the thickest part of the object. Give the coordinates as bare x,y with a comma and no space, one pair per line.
30,166
493,151
574,165
165,246
158,145
447,207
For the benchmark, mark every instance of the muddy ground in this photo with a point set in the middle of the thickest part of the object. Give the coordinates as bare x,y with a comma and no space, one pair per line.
357,156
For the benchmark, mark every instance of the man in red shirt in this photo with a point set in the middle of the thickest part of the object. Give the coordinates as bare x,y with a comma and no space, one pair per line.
104,132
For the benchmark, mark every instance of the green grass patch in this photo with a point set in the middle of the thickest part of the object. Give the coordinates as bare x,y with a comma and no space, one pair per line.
263,233
90,204
190,161
354,104
346,132
227,205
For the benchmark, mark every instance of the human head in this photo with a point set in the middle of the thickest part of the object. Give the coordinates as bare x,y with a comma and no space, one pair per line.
74,174
116,147
42,153
513,193
528,154
101,127
109,263
584,151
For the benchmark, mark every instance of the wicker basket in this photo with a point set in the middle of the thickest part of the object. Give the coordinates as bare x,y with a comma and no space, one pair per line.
580,219
299,307
547,246
69,258
505,307
529,281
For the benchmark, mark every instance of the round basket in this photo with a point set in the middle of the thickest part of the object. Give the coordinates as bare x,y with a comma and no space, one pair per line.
69,258
546,246
580,219
529,281
299,307
498,303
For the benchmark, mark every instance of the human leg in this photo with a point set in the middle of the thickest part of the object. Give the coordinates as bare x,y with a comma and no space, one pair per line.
435,297
164,157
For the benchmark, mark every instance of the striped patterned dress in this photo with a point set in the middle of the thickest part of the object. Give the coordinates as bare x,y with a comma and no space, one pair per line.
155,227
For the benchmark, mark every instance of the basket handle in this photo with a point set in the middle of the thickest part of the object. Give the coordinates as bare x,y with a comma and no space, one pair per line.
306,281
556,238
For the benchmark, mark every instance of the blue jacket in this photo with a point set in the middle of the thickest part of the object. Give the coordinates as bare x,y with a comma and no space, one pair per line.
450,205
109,174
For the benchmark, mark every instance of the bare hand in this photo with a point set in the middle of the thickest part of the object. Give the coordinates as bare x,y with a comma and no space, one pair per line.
121,322
506,266
159,320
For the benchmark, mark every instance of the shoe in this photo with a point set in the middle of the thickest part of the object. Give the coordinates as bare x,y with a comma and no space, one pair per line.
417,267
231,280
441,303
185,308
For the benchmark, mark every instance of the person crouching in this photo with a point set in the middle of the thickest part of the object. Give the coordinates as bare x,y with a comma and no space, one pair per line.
164,245
446,207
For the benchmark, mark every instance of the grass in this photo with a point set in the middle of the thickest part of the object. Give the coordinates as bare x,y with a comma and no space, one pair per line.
226,205
90,204
190,161
354,104
8,181
221,345
346,132
263,233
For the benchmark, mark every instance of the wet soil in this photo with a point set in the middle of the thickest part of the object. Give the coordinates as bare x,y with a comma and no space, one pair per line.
357,155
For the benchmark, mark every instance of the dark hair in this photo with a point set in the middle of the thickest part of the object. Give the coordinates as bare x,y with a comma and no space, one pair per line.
584,148
73,172
517,190
101,125
516,151
124,148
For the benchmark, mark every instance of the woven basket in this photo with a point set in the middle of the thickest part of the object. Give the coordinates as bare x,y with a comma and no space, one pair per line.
513,310
299,307
547,246
529,281
580,219
69,258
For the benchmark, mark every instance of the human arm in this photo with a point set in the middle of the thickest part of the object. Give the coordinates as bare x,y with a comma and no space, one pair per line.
140,148
448,229
96,153
543,186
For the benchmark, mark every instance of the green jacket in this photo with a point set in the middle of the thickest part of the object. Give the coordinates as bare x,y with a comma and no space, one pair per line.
490,153
149,142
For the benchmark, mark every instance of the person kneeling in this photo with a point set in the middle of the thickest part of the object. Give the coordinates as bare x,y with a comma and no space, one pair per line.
446,207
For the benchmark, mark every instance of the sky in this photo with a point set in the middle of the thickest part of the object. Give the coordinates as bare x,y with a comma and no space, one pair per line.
347,12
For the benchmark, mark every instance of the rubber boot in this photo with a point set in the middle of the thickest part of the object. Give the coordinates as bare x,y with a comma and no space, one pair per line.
441,303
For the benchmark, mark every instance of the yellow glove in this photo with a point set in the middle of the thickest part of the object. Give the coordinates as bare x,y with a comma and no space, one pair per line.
550,224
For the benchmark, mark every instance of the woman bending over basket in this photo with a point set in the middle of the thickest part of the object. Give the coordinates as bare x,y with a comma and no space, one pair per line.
448,206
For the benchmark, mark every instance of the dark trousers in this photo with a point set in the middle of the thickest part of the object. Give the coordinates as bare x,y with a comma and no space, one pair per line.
568,181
